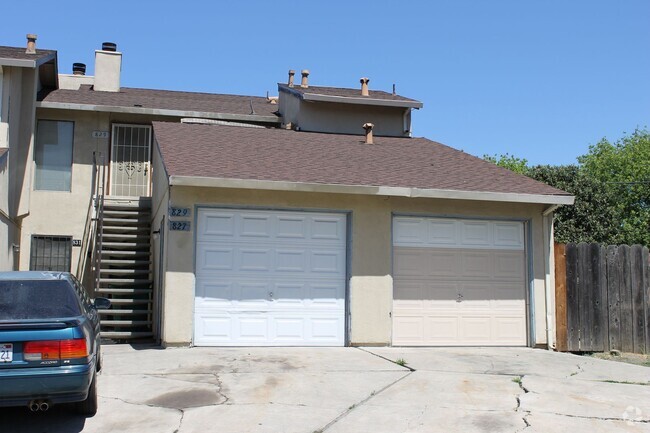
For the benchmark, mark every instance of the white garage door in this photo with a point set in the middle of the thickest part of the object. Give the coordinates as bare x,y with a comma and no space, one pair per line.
270,278
458,282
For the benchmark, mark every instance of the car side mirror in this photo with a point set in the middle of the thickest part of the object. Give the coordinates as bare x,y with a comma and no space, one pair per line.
102,303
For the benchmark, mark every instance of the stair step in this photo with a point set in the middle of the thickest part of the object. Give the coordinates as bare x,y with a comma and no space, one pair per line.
123,335
124,271
136,245
138,281
126,262
123,253
125,322
126,236
124,311
125,221
127,212
120,291
126,229
118,301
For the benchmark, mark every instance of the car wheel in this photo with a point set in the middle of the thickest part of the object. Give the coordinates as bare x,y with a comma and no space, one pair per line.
88,407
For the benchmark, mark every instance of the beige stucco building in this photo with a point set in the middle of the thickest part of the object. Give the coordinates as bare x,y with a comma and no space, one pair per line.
311,218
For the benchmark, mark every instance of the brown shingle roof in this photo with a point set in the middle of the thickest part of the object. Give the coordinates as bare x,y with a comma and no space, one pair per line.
345,92
282,155
164,100
16,53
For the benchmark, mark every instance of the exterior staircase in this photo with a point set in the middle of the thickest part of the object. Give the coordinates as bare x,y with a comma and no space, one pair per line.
125,275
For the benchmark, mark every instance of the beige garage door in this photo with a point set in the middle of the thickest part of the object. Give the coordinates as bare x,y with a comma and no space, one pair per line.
458,282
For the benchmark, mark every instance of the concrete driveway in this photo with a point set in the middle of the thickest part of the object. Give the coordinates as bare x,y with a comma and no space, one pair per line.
308,390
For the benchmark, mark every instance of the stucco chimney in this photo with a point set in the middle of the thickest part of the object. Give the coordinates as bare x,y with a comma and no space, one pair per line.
108,66
79,69
31,43
364,86
368,127
305,76
291,74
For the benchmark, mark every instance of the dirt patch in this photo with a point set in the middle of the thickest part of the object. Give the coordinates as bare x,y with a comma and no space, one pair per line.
629,358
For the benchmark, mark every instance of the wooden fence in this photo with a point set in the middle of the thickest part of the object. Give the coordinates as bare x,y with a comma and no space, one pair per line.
602,298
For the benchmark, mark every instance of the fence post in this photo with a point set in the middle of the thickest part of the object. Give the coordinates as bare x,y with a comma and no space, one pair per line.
560,298
573,303
636,285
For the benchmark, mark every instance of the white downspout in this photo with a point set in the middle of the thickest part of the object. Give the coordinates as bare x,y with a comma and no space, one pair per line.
547,216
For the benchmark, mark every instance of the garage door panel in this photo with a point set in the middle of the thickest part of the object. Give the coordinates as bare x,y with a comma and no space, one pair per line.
270,278
212,258
475,264
461,283
509,265
474,234
509,234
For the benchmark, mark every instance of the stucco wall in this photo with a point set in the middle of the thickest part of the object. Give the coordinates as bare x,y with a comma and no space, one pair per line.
370,286
159,206
64,213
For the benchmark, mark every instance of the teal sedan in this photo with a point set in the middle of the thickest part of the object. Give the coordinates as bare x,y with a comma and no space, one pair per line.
49,341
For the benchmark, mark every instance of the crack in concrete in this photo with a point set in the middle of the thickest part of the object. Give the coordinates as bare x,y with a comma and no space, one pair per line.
405,365
362,402
524,418
639,421
180,421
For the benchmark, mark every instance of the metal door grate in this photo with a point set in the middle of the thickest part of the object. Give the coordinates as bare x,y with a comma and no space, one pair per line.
130,160
51,253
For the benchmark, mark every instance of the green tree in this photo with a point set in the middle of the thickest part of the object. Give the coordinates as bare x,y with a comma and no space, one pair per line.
593,216
511,162
623,167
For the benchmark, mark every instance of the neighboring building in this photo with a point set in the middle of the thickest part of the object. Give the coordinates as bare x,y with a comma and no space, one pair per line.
311,218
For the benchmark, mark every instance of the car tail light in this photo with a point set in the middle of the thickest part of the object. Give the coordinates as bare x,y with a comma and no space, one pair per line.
74,349
41,350
55,349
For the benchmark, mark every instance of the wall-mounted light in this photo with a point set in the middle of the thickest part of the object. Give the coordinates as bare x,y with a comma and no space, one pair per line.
16,248
156,234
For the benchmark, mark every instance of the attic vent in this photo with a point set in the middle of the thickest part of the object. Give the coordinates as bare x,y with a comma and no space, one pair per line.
31,43
368,127
79,68
109,46
305,77
364,86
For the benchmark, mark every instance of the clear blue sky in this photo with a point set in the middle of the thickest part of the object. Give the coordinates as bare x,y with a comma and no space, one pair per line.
538,79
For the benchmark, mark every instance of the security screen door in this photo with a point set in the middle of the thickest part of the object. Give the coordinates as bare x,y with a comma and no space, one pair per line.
131,160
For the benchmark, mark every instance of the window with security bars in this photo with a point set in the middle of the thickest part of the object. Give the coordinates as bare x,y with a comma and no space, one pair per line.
51,253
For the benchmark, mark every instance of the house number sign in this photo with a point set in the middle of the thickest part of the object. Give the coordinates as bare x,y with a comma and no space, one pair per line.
183,226
179,211
100,134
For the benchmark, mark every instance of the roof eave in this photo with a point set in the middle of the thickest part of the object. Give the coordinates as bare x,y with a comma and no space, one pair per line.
214,182
361,100
158,112
316,97
24,63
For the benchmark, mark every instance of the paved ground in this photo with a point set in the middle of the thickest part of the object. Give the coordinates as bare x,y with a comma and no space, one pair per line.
354,390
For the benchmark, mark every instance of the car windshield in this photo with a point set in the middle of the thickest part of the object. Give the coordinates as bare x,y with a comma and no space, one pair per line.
37,299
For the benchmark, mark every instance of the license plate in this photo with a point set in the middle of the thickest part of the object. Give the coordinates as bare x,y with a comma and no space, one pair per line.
6,352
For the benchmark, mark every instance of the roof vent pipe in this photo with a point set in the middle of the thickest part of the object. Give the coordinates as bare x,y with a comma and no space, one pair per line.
31,43
79,68
305,76
291,74
368,127
364,86
109,46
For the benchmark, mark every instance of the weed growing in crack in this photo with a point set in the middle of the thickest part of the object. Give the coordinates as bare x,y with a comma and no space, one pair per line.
517,380
401,362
